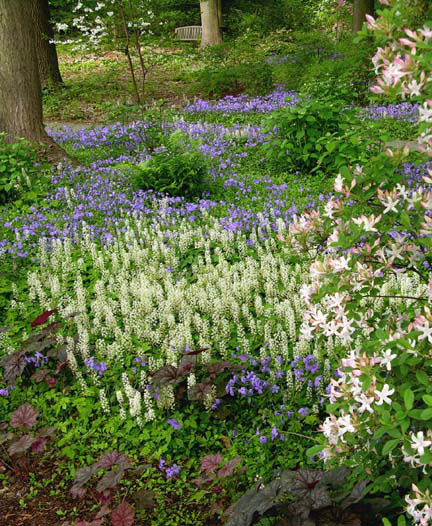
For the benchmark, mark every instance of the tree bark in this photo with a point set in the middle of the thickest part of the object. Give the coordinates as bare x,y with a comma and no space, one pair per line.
211,33
220,17
20,89
49,72
361,8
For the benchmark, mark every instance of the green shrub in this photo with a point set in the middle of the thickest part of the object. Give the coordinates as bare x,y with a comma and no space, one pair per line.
317,66
316,136
16,160
346,74
254,78
178,170
296,58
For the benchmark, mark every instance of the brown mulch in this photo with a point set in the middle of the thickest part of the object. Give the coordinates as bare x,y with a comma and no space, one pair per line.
40,509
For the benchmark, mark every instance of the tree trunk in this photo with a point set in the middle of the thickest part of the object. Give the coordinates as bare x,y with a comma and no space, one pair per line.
49,72
361,8
220,18
20,89
211,33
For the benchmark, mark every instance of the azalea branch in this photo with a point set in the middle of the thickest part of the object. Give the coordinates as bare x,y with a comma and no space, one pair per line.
392,297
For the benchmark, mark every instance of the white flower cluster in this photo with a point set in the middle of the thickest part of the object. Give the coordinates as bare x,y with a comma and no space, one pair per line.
140,294
95,23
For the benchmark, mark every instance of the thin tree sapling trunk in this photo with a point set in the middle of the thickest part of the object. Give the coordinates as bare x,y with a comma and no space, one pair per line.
361,8
49,72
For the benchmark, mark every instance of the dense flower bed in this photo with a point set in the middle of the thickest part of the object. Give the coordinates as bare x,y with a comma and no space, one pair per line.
245,104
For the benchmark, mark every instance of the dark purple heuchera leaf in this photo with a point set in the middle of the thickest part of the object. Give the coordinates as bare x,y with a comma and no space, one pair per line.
203,481
5,437
166,375
180,392
21,445
199,391
40,320
210,462
227,469
335,477
39,445
46,431
35,337
110,479
105,509
14,365
39,375
123,515
256,500
144,499
357,494
186,365
319,498
78,491
218,367
52,327
113,458
50,381
41,344
304,481
82,476
195,353
60,366
25,416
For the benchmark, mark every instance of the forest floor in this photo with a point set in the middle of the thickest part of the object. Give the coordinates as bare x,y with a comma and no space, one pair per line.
98,87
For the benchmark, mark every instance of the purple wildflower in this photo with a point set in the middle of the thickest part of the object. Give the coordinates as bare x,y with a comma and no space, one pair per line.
172,471
174,424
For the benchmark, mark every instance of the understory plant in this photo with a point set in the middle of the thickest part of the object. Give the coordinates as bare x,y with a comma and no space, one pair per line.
305,497
17,168
177,169
317,136
377,229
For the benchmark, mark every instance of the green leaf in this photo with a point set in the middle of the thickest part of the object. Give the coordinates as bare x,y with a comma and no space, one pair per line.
426,458
386,522
388,446
395,433
427,399
416,414
423,378
409,399
405,220
425,241
405,425
401,520
426,414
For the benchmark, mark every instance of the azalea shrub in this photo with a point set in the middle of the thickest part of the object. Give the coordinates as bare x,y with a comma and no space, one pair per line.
371,245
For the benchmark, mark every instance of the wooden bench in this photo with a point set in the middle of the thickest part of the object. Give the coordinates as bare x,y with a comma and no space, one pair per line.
190,33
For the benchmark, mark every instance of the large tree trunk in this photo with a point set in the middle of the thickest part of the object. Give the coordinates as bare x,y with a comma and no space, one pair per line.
361,8
211,33
20,89
49,72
